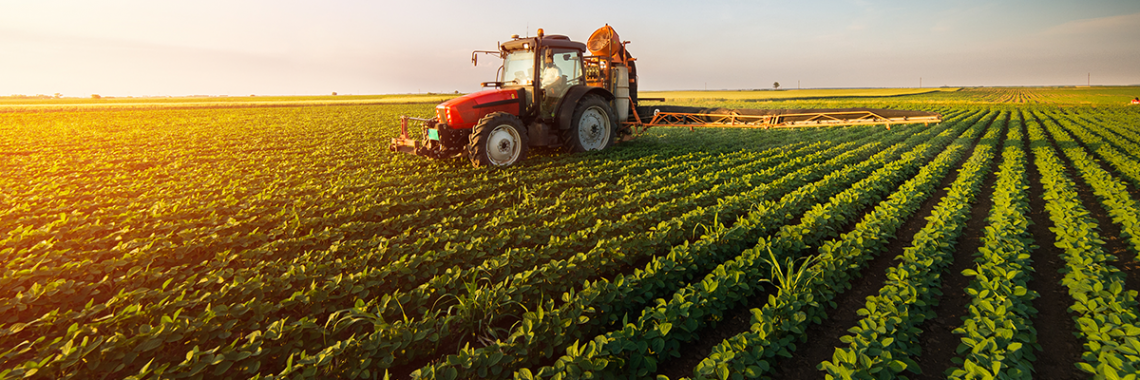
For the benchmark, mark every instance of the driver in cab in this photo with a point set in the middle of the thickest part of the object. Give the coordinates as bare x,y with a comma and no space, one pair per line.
551,75
553,83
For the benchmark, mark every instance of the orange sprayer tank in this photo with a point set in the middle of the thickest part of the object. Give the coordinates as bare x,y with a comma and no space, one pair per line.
605,41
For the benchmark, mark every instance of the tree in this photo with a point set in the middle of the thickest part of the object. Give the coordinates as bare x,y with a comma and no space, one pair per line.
95,96
776,86
334,93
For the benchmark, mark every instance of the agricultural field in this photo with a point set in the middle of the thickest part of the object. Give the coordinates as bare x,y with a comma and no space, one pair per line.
17,104
284,241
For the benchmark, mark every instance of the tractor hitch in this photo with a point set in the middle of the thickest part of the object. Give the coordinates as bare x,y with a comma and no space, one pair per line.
432,146
405,143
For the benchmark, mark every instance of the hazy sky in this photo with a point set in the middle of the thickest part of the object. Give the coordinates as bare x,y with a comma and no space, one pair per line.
121,48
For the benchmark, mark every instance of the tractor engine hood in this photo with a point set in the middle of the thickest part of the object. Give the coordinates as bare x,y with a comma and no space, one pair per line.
465,111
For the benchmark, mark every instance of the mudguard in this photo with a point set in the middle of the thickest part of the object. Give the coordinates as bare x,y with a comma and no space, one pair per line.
570,101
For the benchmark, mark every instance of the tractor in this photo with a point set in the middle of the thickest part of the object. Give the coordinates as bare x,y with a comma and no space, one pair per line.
547,93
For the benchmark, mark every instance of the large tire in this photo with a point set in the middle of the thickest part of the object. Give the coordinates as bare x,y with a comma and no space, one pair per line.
499,139
592,127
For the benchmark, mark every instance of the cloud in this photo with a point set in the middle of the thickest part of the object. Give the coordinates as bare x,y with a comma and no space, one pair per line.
1111,25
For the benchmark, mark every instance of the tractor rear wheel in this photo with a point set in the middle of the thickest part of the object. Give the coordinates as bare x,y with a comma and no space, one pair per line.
499,139
592,127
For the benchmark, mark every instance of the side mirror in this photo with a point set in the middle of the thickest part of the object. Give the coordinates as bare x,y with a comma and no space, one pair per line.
474,59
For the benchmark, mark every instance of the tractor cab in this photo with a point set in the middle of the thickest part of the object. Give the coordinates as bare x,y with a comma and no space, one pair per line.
544,67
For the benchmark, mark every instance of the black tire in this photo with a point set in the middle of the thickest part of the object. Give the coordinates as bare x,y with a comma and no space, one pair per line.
633,85
592,127
499,139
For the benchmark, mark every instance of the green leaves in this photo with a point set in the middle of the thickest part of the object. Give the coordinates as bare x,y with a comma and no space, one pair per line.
282,243
776,325
884,338
993,336
997,340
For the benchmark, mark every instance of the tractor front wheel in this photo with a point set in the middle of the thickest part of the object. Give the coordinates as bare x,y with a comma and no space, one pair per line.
592,127
499,139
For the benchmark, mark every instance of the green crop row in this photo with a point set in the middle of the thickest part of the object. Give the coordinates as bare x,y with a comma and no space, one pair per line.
1106,312
1112,192
781,322
886,339
1123,161
998,337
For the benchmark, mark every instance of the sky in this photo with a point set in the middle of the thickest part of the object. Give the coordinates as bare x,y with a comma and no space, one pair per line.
285,47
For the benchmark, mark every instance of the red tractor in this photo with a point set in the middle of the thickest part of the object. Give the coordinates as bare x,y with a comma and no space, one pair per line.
548,93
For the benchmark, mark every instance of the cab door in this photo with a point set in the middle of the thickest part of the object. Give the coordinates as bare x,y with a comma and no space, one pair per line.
560,69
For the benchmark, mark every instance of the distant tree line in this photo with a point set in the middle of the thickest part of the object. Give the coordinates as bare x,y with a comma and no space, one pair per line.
37,96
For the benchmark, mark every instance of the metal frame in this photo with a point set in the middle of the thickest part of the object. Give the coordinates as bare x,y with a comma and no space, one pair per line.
405,143
787,120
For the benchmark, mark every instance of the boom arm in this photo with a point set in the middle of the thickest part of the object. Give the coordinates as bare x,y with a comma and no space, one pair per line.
694,117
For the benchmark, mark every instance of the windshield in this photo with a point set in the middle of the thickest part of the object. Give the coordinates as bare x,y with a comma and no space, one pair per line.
518,68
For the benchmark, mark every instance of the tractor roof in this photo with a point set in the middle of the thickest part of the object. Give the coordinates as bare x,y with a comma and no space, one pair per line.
552,40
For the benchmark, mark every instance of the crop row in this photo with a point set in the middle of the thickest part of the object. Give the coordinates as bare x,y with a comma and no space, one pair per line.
1112,192
804,296
1106,311
1123,159
886,339
998,337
